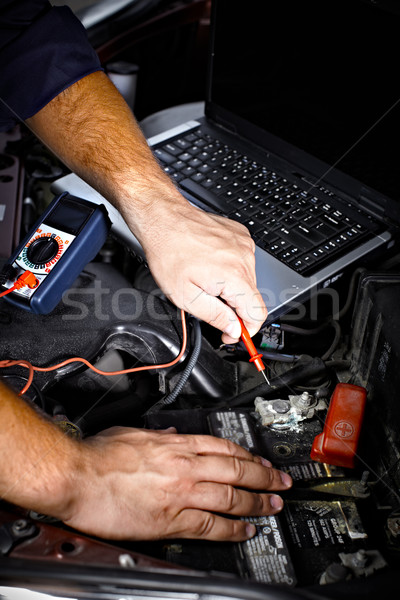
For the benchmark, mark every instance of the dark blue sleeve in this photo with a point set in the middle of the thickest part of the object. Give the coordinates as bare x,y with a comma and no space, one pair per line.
43,50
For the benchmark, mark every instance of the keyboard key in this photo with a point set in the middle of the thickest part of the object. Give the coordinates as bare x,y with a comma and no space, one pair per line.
298,264
177,177
250,210
185,156
291,223
179,164
188,171
182,143
293,235
325,230
252,226
164,157
192,137
267,237
207,183
194,150
333,222
198,177
172,149
195,163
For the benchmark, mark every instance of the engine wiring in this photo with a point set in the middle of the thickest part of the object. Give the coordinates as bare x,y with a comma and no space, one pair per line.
32,368
172,396
28,279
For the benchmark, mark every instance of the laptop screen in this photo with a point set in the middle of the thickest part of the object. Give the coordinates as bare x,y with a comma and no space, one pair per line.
322,76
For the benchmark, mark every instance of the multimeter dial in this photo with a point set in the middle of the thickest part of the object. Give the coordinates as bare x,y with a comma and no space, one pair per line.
67,236
42,250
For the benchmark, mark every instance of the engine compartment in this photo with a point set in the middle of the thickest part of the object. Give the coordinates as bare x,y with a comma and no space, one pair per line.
340,529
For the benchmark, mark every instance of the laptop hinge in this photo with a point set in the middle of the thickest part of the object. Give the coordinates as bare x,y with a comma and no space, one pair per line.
225,124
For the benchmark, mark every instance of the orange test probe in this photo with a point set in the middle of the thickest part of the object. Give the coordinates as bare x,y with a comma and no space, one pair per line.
255,357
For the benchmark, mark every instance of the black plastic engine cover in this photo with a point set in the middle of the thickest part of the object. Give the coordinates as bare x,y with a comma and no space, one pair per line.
101,312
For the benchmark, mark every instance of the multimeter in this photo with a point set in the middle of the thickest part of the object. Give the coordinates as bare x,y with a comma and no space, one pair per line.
67,236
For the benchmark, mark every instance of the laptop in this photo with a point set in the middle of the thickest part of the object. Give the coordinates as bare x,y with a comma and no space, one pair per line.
298,139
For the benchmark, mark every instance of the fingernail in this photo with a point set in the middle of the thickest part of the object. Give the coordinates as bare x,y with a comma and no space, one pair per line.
265,462
276,502
250,530
286,479
233,330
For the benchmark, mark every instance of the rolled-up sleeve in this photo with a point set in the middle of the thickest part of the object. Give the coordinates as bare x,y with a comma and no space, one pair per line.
43,50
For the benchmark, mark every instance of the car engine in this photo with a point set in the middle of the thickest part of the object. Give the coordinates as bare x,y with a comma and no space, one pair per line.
339,532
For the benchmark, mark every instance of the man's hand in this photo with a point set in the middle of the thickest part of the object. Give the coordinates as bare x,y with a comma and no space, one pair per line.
203,263
138,484
132,483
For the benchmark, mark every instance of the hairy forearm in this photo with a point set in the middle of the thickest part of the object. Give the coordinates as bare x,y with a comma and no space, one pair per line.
38,461
204,263
92,130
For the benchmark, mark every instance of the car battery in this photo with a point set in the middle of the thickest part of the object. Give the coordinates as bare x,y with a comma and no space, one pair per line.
321,517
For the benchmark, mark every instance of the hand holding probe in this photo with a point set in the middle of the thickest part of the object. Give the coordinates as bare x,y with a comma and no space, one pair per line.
255,357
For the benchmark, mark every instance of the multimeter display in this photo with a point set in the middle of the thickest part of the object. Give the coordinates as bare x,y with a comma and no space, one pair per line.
71,214
69,235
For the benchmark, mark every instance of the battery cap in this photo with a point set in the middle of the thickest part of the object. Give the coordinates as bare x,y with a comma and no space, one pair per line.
337,444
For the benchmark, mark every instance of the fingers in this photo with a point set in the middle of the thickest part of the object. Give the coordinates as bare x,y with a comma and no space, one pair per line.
197,524
219,305
206,264
155,485
212,310
234,501
239,472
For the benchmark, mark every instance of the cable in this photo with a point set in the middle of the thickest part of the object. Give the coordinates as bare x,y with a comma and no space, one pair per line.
303,331
304,369
335,342
38,393
172,396
32,368
278,357
350,296
27,278
316,330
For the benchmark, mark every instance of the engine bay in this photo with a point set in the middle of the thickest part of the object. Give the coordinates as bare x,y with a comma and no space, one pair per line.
339,532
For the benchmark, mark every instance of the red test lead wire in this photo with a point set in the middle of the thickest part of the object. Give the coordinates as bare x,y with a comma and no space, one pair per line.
255,357
31,368
27,278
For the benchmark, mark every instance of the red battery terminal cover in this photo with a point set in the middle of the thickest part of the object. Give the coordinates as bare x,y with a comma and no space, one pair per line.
337,444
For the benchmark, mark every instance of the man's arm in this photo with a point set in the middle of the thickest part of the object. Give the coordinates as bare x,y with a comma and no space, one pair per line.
130,483
197,259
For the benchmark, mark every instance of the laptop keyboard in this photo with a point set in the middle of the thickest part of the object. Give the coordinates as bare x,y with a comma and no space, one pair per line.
302,230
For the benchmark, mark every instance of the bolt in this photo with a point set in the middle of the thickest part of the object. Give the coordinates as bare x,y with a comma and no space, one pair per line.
23,528
126,561
334,573
360,558
20,525
304,399
281,406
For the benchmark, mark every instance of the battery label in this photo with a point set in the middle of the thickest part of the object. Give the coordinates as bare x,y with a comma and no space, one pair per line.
318,524
233,426
265,555
312,470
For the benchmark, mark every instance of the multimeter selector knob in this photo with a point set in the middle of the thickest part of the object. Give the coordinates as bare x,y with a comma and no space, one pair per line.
43,250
